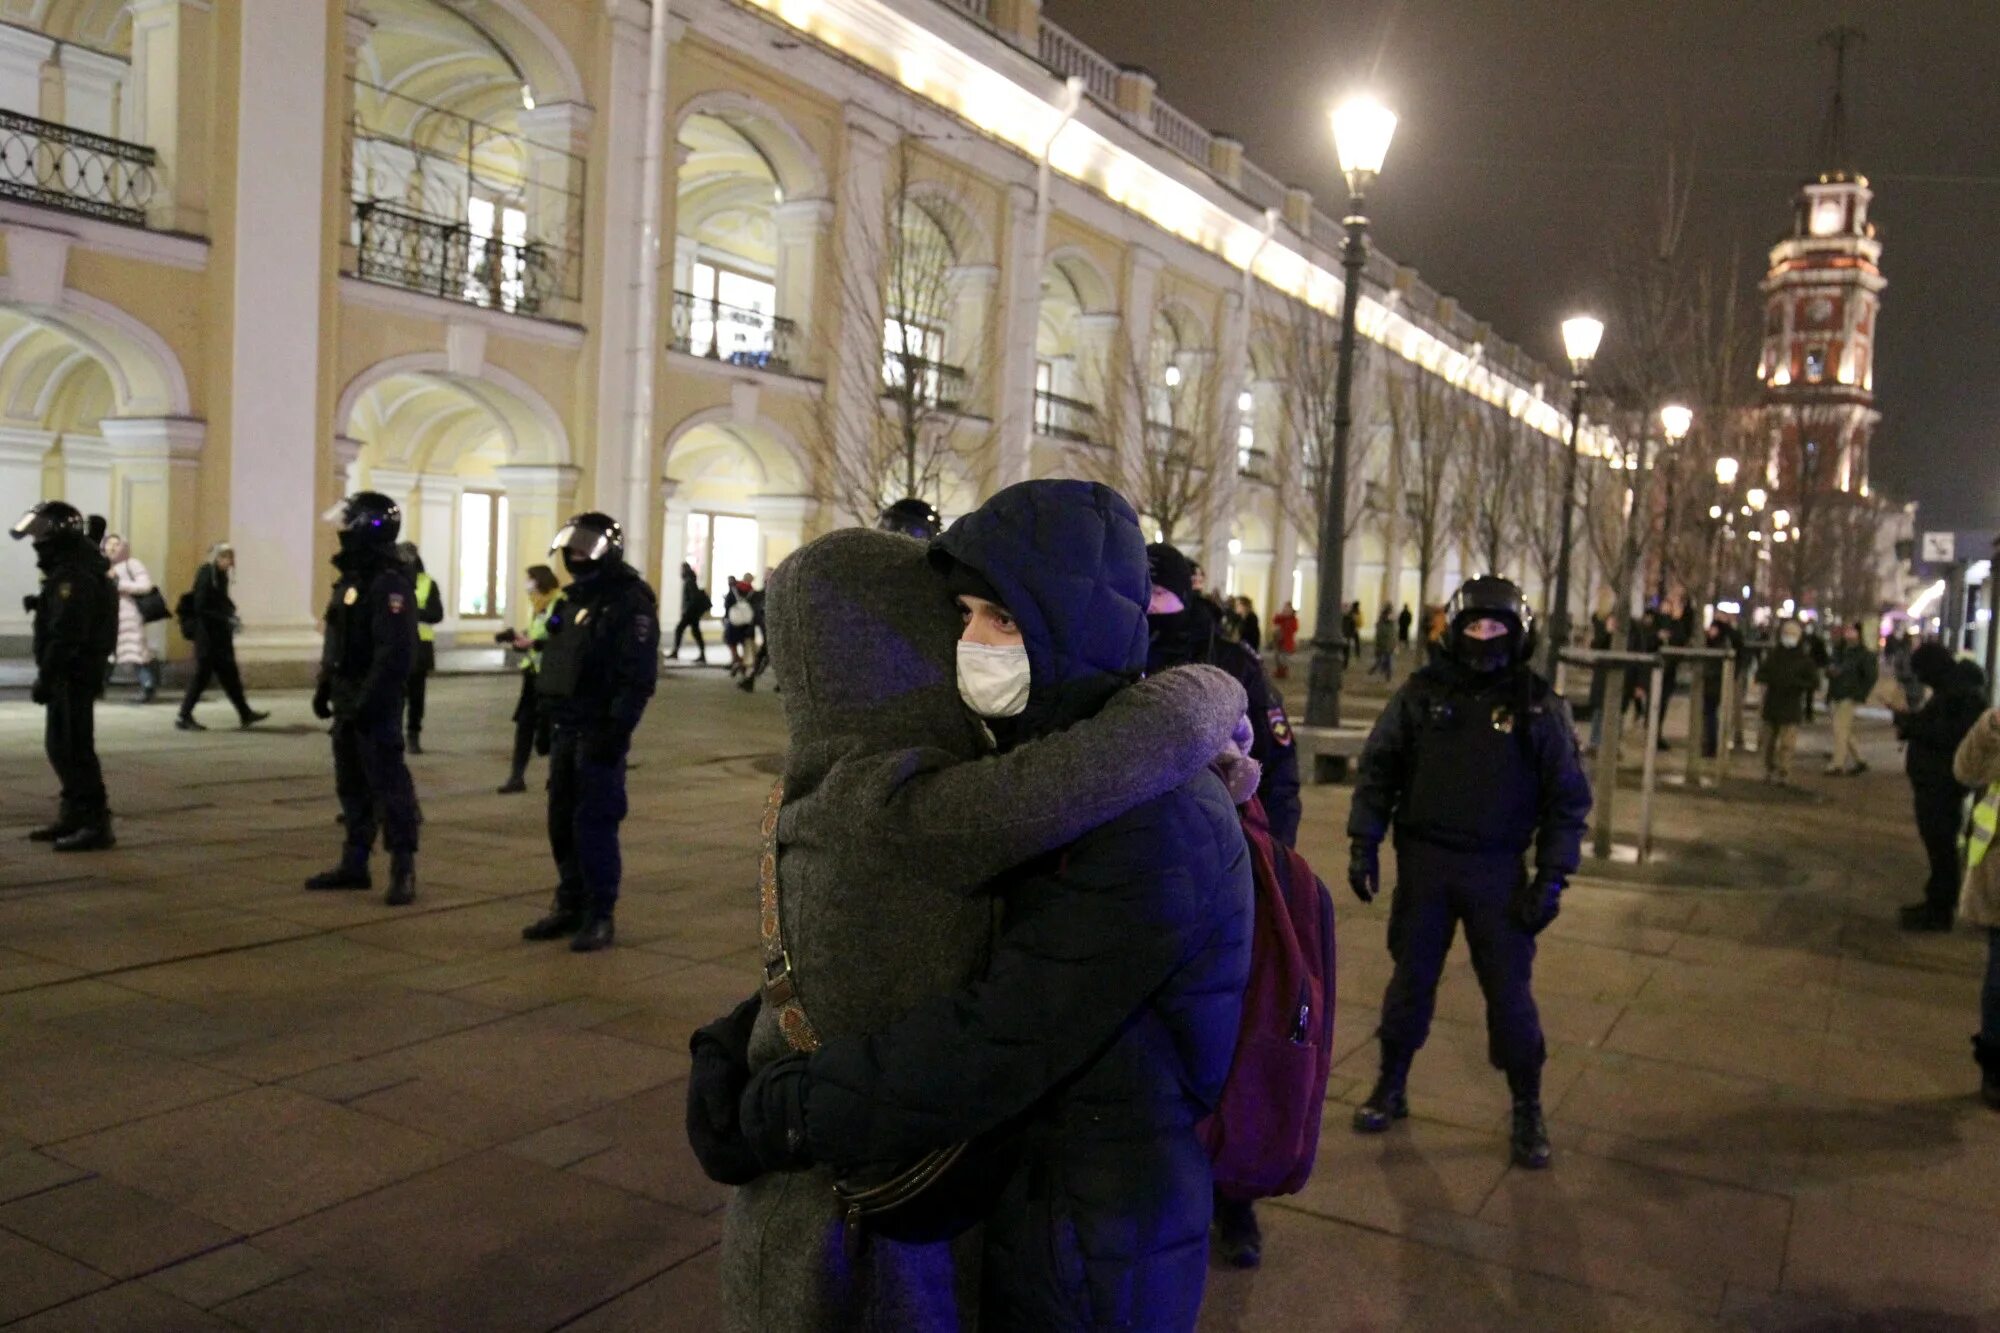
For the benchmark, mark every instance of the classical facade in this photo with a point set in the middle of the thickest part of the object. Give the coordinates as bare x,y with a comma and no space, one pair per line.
735,276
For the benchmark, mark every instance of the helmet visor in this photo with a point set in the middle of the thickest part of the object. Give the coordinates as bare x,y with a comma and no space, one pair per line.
35,525
582,543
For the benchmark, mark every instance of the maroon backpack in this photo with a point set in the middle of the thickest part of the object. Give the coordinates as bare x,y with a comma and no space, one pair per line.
1264,1132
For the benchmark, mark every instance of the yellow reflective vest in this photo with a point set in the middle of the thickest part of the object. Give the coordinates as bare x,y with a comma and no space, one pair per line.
426,632
538,633
1985,820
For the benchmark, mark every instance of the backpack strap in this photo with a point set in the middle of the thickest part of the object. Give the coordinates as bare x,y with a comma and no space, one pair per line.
781,990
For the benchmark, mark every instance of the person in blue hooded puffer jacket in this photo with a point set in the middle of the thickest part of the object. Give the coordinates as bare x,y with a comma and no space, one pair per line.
1105,1024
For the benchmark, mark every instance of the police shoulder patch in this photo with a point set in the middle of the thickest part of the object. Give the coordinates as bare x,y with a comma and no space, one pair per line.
582,614
351,596
395,604
1281,727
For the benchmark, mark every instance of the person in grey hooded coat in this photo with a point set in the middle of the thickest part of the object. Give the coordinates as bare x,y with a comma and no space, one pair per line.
886,830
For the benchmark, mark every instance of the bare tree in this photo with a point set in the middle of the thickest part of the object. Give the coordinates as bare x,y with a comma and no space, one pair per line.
1492,468
1539,501
1308,353
1718,381
1809,439
907,362
1165,418
1427,422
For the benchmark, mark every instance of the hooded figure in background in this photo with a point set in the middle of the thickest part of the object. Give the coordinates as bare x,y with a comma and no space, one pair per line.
886,839
1102,1028
76,624
1956,698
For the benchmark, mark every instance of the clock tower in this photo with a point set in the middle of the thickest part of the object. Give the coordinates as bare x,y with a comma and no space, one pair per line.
1822,296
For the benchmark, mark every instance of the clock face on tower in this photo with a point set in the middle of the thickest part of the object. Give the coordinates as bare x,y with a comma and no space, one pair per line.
1819,311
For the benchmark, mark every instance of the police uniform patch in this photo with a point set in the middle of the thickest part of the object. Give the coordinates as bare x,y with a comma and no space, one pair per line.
643,627
395,604
582,614
1281,727
353,595
1503,719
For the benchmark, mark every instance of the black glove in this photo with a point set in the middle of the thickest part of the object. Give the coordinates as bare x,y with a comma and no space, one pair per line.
721,1072
323,702
604,744
1538,900
772,1113
1364,870
40,692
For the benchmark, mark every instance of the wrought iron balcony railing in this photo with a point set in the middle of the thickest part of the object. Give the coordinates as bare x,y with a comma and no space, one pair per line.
440,257
927,383
74,170
1061,418
706,327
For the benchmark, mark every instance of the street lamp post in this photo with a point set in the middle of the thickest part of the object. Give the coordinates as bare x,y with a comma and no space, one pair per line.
1362,129
1676,420
1581,334
1724,514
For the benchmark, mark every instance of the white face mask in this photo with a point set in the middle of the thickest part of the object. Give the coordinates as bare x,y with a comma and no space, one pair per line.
992,680
1789,637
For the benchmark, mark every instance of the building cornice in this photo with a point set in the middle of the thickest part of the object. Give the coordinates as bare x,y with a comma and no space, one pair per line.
167,249
521,328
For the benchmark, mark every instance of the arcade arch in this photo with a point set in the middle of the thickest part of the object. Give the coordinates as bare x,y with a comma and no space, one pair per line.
735,495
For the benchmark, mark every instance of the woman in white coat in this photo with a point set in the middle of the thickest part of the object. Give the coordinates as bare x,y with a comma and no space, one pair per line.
133,581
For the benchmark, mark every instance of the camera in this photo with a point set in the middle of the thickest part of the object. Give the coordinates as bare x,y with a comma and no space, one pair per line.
505,638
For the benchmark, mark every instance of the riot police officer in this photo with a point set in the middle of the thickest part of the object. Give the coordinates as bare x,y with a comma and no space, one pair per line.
1473,763
365,665
600,664
75,629
913,518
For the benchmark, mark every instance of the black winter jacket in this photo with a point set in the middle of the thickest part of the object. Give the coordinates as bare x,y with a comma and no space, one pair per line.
371,636
1935,731
76,612
1189,637
601,661
210,622
1105,1025
1449,763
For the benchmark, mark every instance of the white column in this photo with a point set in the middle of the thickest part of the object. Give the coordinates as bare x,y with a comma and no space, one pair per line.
22,453
436,534
86,464
346,465
166,106
802,228
539,497
781,525
22,55
615,239
673,545
1284,560
93,87
968,341
1142,297
274,385
1020,314
1232,376
854,382
155,480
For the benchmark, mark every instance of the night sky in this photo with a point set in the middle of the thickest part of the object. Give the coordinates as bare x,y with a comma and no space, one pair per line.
1534,131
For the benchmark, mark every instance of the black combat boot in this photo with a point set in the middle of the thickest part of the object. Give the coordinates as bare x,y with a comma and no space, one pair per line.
55,832
565,916
1987,1053
251,719
516,782
1388,1103
351,873
1238,1238
402,880
597,933
416,742
1530,1142
93,835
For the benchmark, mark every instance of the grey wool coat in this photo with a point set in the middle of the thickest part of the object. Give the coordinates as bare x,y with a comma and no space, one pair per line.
891,826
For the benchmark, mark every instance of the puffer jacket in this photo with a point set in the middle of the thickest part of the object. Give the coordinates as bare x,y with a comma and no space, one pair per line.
1935,731
886,833
1977,765
1104,1026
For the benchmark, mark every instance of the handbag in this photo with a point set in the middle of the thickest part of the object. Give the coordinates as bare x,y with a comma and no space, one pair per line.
152,605
942,1194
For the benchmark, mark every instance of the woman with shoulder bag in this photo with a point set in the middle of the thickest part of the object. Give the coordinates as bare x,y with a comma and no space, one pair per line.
139,604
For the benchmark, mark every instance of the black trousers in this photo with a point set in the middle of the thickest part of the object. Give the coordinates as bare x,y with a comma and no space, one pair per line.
1940,817
527,723
374,785
586,805
69,734
215,660
1436,890
415,694
690,623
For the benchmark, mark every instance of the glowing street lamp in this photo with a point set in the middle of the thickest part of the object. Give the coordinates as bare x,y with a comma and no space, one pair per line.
1757,497
1725,471
1362,130
1676,420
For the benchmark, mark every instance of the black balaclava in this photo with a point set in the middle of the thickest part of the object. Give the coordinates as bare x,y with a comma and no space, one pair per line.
1179,637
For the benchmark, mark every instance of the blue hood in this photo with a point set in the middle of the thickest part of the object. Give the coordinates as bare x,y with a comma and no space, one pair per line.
1067,559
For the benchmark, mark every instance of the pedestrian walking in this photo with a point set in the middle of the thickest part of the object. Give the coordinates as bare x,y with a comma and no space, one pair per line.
1789,678
876,862
1350,631
761,631
1720,636
1473,763
531,724
1249,632
1977,765
430,614
75,626
1851,678
1285,626
1934,732
208,620
695,603
600,666
1105,1025
364,669
1403,622
1603,635
739,622
136,594
1385,645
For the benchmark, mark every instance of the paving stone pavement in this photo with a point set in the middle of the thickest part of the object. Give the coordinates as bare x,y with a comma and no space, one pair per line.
227,1104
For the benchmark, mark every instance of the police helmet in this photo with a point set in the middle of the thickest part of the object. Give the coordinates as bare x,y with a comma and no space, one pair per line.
589,538
371,516
49,519
1491,597
913,518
